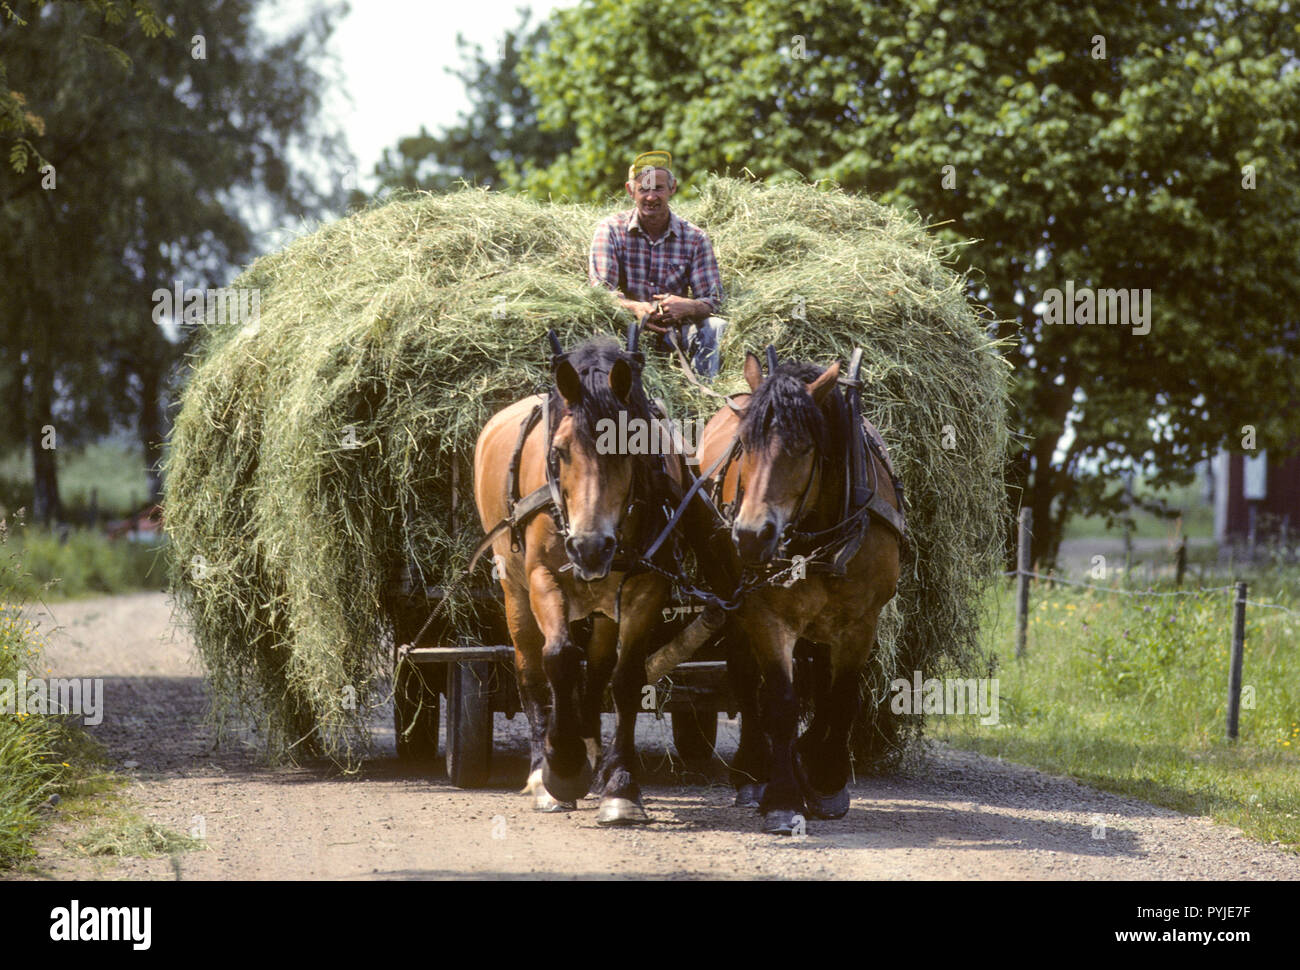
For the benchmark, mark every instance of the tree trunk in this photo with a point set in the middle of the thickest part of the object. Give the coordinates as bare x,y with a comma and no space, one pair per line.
43,436
151,432
1040,501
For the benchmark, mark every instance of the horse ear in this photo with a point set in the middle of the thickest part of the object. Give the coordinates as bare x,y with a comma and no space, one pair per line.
567,380
822,386
753,371
620,380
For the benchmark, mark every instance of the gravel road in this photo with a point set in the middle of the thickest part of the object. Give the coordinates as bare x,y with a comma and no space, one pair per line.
956,816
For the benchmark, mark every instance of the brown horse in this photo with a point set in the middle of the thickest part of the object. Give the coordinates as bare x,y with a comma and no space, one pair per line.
787,494
574,558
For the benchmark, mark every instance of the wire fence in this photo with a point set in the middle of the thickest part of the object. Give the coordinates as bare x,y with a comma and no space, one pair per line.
1024,574
1198,591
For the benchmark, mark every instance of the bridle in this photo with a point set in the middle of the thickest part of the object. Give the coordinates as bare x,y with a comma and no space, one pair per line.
630,560
814,474
828,549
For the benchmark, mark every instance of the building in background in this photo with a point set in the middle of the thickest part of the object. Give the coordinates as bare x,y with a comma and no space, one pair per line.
1256,500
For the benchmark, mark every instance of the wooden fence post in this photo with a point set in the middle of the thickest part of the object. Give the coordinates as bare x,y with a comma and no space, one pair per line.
1234,670
1022,579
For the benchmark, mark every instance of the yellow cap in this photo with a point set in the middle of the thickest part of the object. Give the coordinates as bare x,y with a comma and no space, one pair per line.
654,159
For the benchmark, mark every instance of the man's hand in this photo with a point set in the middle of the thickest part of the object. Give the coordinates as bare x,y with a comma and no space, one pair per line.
678,309
649,315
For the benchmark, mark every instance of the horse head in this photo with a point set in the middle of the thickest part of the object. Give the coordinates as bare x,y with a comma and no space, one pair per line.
784,434
594,455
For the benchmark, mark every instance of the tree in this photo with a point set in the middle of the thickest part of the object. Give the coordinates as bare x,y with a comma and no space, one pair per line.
17,122
157,168
1105,145
498,134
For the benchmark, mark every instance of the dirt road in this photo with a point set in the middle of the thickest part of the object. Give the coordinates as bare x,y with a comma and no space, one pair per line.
958,816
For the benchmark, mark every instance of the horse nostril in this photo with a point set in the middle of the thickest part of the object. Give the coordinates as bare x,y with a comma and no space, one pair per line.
768,532
589,548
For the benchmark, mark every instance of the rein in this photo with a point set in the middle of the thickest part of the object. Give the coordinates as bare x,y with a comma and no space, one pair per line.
690,375
833,547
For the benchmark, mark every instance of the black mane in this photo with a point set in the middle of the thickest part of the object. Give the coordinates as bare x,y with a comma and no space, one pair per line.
593,360
783,407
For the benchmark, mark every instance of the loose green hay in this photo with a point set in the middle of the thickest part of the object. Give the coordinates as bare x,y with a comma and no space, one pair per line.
312,458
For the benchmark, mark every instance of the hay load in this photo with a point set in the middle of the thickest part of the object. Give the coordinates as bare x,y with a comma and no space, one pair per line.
313,457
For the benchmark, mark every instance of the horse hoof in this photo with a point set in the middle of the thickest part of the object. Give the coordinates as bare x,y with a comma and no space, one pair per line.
749,796
570,788
782,821
827,806
621,811
815,803
543,801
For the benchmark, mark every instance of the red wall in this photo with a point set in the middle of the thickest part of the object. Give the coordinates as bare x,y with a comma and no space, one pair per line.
1283,495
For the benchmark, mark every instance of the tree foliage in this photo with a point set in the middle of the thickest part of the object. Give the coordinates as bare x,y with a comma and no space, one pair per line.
160,154
1151,147
18,123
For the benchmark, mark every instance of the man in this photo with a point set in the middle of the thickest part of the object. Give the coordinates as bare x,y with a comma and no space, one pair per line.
652,258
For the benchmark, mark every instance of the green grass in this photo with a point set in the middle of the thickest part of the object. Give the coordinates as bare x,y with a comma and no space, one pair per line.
45,756
130,835
34,749
1130,694
1197,516
84,563
112,468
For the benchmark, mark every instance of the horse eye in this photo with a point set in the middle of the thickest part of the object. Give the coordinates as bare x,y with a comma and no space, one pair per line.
562,453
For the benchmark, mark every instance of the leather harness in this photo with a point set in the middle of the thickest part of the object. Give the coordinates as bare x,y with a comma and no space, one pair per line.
547,497
828,550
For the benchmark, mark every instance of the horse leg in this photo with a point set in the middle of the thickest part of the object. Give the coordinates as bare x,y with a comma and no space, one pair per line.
782,802
750,765
566,773
534,695
620,795
814,696
823,767
602,654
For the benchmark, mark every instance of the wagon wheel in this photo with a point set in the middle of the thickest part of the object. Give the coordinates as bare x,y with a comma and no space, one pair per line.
469,723
695,733
415,706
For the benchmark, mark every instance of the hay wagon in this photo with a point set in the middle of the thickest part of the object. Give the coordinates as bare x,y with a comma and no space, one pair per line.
384,342
475,677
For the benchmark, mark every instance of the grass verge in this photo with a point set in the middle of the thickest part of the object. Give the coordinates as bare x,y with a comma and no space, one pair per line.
1129,694
49,766
34,748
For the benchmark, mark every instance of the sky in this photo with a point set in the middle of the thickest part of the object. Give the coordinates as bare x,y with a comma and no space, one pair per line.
393,55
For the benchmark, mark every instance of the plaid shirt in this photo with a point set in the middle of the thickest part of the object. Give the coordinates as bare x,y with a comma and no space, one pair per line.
624,260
